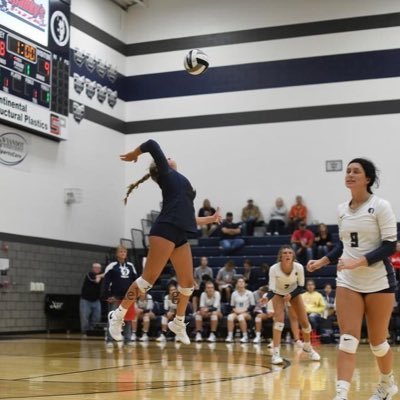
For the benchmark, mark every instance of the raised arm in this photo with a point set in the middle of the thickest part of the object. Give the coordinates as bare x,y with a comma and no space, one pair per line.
152,147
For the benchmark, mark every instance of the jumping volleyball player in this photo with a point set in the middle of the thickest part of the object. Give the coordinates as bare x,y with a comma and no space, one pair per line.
365,278
286,283
167,239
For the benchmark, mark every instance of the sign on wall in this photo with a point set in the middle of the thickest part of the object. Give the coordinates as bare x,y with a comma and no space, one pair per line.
14,148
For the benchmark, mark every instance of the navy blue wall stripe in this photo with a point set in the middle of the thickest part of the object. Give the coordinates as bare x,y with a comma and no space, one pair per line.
273,74
266,116
246,118
243,36
269,33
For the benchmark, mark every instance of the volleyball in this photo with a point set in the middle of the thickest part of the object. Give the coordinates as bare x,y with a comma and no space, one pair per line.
196,62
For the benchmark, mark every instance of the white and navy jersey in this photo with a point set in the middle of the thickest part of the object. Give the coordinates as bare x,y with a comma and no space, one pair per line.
145,304
362,231
117,279
214,301
282,283
170,304
242,301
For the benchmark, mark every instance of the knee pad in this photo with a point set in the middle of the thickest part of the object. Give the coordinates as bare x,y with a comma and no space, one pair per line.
186,291
278,326
143,285
214,318
381,349
241,318
164,320
199,317
231,317
146,318
307,330
258,320
348,343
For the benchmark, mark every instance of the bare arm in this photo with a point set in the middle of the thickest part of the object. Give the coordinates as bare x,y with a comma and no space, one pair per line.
215,218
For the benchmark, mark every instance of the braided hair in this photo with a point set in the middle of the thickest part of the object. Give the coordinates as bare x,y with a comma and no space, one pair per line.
153,174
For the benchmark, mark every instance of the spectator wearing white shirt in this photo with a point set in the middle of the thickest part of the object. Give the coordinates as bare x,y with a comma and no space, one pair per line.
210,308
241,301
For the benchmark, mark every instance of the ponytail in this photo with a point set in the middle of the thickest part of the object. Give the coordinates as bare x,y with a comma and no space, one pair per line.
134,185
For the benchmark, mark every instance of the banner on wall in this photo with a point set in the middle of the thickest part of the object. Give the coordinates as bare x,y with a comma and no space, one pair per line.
14,148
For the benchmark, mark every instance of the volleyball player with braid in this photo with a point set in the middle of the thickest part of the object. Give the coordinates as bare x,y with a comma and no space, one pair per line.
167,239
365,277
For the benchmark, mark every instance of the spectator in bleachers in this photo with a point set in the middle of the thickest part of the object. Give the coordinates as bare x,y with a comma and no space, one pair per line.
261,312
118,276
329,298
314,303
302,242
297,214
90,305
395,260
202,273
231,239
206,211
278,218
250,275
224,279
251,217
210,308
170,304
323,241
242,301
261,275
144,312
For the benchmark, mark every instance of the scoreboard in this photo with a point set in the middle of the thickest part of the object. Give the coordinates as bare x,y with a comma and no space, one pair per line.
34,65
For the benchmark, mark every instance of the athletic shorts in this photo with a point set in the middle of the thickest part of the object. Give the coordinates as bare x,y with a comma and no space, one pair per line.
169,232
387,290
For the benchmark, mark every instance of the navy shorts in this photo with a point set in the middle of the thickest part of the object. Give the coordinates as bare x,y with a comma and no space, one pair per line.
391,289
169,232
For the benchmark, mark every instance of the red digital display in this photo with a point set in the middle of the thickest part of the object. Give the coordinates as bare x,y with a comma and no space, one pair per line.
43,67
2,48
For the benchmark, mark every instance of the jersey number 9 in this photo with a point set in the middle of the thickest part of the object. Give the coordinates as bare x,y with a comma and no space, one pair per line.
354,239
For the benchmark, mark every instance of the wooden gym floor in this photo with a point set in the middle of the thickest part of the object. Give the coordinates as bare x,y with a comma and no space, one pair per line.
67,368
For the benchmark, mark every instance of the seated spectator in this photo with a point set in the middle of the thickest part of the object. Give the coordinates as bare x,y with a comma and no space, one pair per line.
207,211
250,275
90,305
261,275
202,273
230,235
261,312
395,259
323,241
297,214
170,303
210,308
251,217
144,312
277,218
329,299
302,242
241,301
314,304
224,279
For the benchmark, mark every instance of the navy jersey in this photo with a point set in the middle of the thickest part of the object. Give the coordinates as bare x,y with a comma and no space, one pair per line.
117,279
177,192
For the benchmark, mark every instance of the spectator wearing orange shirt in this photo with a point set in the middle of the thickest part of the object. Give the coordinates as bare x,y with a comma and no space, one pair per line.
302,242
297,214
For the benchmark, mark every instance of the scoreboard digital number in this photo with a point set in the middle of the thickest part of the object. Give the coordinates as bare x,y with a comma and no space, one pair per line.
34,71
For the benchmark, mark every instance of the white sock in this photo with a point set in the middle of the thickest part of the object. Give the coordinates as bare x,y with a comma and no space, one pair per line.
120,312
230,334
277,351
258,335
245,335
180,319
387,378
343,386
